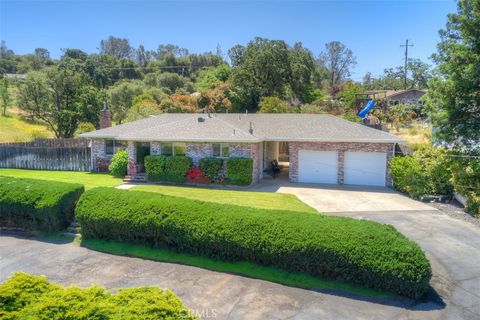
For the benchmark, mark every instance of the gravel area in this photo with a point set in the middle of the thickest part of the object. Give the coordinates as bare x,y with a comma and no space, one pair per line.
455,210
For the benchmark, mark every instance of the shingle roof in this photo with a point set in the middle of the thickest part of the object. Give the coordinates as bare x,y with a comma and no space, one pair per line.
236,128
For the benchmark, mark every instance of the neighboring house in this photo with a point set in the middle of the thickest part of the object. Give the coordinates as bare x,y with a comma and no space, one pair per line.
394,97
321,148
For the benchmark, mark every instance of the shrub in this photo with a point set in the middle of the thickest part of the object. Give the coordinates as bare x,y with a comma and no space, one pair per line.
425,173
195,175
212,167
155,167
359,251
25,296
37,204
176,168
466,180
239,171
119,165
408,176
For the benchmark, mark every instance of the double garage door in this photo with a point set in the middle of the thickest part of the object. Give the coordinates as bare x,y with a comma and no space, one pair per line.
360,168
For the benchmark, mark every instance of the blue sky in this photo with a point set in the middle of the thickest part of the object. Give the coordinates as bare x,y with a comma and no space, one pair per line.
373,30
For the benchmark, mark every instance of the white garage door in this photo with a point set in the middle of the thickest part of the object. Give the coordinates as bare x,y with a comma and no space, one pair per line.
365,168
317,166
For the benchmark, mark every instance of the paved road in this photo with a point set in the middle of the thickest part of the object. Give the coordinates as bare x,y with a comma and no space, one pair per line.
453,247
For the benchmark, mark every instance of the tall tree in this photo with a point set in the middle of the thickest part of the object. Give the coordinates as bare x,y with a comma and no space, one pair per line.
302,67
164,50
454,96
338,60
53,96
121,97
117,47
265,71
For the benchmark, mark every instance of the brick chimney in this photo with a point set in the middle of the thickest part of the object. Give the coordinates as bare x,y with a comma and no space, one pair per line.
105,119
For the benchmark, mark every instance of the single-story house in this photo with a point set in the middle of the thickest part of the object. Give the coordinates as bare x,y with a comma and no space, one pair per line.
320,148
394,97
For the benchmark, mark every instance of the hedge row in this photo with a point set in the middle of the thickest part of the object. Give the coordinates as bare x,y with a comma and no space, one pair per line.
37,204
164,168
25,296
176,168
357,251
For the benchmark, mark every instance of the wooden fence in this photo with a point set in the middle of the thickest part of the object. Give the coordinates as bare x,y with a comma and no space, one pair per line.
46,155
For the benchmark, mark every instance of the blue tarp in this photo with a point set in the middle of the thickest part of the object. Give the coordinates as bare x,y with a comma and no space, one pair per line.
369,106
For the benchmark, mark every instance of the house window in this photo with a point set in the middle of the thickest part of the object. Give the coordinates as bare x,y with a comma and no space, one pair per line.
179,149
109,147
120,145
221,150
113,146
167,149
174,149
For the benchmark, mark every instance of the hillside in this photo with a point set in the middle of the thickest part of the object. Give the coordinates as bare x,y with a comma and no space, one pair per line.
16,128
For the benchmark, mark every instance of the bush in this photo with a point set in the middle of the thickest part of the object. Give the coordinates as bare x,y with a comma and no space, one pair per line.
212,167
161,168
239,171
25,296
426,173
466,180
119,165
37,204
359,251
195,175
176,168
155,167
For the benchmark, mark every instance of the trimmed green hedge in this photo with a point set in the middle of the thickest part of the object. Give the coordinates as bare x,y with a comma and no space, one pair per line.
25,296
176,168
161,168
155,167
357,251
239,171
211,167
37,204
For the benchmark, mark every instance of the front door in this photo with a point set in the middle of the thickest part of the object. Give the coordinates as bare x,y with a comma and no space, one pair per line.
142,150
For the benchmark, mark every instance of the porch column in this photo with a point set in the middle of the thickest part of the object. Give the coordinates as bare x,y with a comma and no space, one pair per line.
132,158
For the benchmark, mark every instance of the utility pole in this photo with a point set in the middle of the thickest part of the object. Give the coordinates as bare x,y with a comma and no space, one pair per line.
406,45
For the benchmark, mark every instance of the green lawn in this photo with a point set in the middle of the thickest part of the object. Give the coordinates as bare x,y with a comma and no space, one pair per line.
295,279
263,200
88,179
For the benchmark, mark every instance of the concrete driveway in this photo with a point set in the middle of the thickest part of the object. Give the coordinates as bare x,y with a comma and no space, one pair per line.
453,247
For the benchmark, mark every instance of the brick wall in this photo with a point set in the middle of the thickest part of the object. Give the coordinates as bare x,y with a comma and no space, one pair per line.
340,147
100,161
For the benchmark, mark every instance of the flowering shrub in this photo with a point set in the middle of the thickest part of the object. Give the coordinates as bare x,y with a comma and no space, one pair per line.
195,175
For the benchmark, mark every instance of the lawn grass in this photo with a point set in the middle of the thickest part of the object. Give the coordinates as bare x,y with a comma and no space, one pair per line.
262,200
294,279
88,179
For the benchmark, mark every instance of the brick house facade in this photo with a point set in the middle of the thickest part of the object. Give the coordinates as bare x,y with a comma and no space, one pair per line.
320,144
194,150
